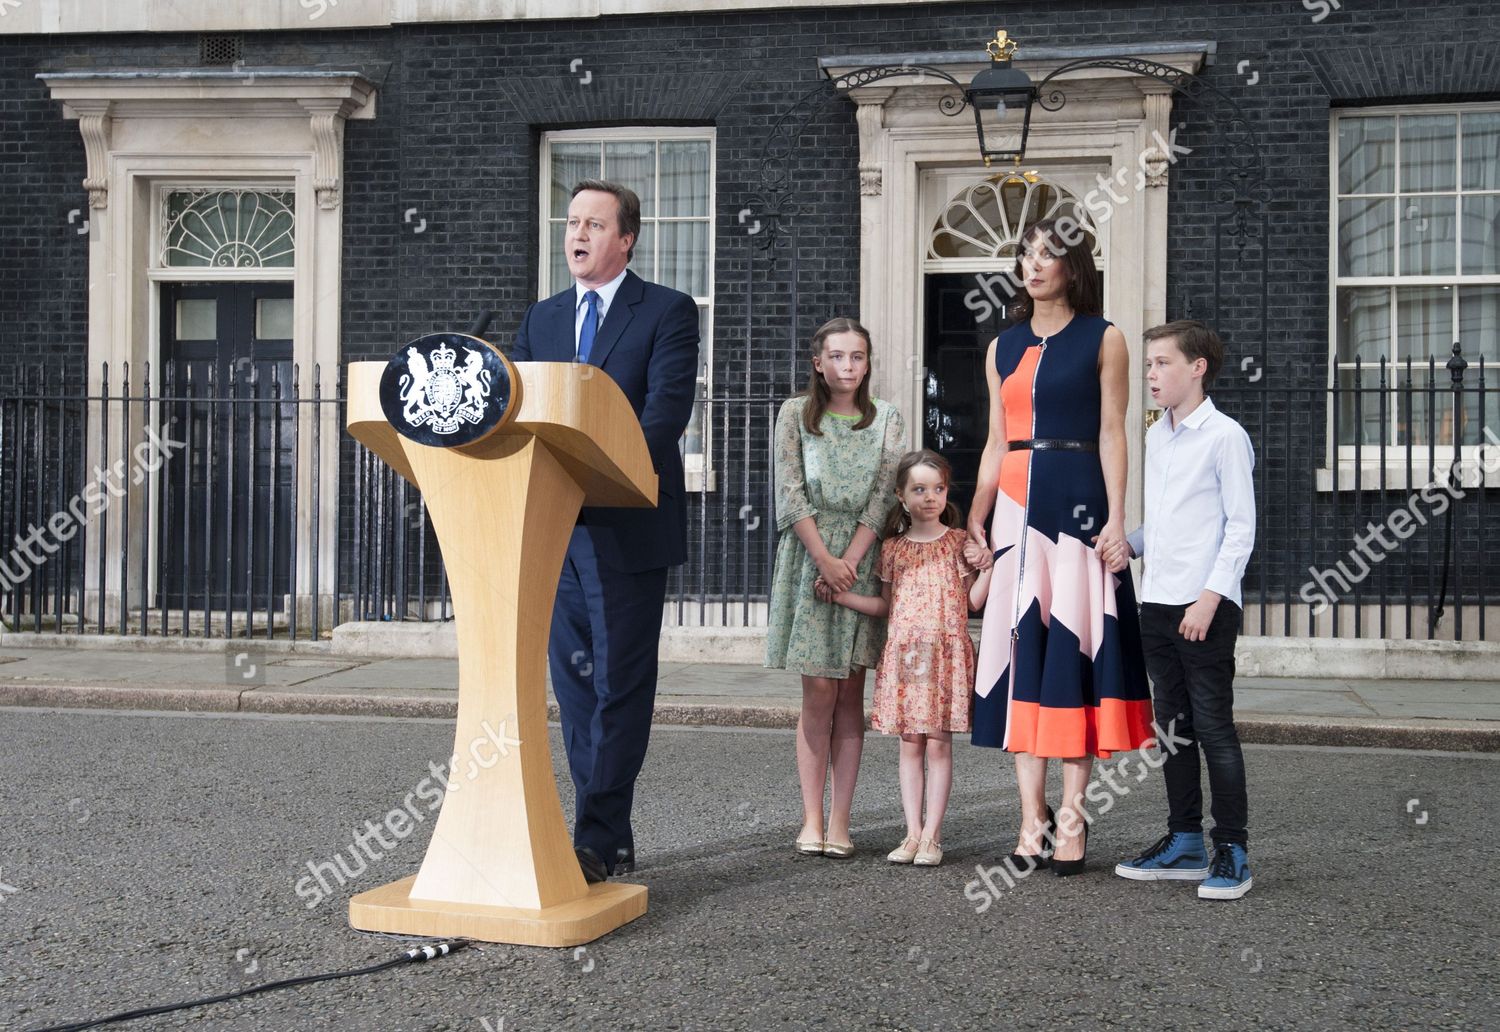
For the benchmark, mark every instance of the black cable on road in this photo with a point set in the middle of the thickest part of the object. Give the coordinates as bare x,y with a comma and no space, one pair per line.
412,956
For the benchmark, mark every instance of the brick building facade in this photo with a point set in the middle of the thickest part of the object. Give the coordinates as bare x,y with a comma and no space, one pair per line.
416,168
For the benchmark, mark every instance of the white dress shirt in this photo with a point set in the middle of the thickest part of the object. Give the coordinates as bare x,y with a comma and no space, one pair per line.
1200,508
580,307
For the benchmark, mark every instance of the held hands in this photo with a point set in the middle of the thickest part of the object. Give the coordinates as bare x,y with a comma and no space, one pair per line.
1115,559
978,556
977,549
1199,615
823,592
837,573
1113,549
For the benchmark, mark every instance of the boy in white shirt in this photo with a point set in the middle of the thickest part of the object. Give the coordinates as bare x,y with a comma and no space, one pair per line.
1197,538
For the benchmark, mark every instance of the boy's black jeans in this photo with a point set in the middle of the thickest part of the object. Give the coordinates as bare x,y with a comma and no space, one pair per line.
1193,683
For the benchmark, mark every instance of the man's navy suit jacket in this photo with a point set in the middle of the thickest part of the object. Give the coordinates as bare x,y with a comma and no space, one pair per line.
648,344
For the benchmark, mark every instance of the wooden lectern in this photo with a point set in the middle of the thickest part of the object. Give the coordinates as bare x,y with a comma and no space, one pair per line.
500,866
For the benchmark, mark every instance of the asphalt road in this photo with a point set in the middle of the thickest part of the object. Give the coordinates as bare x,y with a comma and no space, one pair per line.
151,858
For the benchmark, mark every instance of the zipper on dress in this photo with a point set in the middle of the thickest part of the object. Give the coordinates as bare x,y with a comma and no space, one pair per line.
1015,624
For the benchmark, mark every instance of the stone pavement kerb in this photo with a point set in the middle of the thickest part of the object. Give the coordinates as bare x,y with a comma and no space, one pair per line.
269,677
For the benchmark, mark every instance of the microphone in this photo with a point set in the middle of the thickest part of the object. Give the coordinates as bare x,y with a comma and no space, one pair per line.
481,323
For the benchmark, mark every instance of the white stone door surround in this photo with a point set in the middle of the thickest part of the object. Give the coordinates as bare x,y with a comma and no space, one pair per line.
1107,123
271,128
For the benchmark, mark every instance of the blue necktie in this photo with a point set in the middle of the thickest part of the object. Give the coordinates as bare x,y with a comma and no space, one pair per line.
590,325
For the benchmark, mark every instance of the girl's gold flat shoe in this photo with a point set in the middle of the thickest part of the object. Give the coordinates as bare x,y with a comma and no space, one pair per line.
809,847
929,855
904,853
841,850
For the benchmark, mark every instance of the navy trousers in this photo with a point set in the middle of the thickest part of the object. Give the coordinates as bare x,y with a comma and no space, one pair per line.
606,628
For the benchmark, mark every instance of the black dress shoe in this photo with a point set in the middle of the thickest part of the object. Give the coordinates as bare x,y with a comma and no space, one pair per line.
1032,861
1066,868
1022,863
624,860
593,868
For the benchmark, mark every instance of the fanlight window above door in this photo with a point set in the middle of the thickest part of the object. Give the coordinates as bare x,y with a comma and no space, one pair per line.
217,228
990,218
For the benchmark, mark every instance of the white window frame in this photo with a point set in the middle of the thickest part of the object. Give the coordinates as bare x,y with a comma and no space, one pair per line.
696,465
1370,473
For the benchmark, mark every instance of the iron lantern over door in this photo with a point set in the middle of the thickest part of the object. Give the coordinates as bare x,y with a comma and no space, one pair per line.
1001,97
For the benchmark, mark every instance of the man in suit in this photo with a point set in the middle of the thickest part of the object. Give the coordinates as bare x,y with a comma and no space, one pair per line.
606,624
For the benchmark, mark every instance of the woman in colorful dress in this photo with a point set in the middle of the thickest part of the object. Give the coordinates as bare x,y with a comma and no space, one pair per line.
1060,671
835,464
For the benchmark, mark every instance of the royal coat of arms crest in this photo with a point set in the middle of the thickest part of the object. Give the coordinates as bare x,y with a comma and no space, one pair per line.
445,395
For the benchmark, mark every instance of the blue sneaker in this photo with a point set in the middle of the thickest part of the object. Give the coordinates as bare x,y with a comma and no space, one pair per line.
1230,878
1177,856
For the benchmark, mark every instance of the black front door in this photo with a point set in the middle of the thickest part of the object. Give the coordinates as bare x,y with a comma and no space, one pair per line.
226,526
962,316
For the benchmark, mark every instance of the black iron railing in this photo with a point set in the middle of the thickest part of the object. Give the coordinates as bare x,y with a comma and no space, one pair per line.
192,504
1334,555
231,504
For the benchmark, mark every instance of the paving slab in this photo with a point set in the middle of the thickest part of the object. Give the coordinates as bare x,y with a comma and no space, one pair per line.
1300,702
388,673
247,668
311,663
1435,693
1438,711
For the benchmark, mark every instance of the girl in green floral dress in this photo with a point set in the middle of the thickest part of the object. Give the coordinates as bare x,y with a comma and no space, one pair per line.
835,464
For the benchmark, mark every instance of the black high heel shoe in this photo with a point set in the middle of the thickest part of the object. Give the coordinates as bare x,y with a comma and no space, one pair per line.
1065,868
1029,861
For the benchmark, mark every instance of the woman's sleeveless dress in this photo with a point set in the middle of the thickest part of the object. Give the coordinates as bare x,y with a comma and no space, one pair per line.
1060,669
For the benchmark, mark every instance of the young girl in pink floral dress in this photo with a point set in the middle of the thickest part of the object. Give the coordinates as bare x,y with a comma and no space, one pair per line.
926,673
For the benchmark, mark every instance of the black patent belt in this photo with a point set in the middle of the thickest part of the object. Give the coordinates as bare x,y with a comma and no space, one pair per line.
1052,444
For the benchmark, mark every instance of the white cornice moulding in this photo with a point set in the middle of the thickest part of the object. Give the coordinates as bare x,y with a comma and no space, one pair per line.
263,91
101,99
71,16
